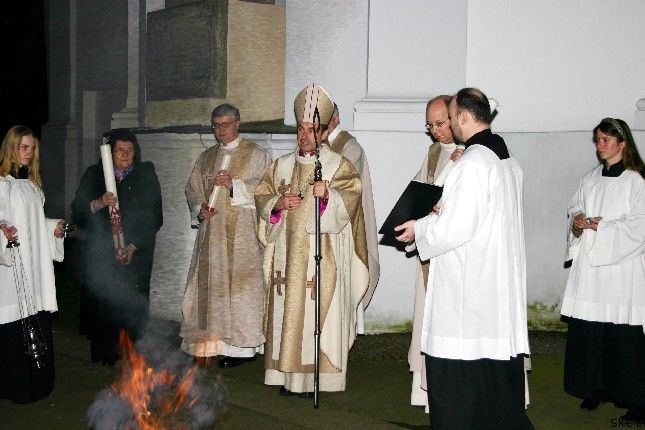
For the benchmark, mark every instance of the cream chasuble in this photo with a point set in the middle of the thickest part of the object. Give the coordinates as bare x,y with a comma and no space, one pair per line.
223,302
433,164
289,271
346,145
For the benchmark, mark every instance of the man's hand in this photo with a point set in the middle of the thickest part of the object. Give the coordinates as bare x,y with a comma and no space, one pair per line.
321,189
205,212
407,231
289,201
224,179
10,232
456,154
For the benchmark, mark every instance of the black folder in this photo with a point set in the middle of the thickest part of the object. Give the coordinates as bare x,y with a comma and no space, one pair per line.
417,201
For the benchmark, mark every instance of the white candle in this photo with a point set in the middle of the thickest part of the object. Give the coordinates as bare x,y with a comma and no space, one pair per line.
226,160
110,185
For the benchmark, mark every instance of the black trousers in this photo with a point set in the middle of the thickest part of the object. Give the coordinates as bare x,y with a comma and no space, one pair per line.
476,394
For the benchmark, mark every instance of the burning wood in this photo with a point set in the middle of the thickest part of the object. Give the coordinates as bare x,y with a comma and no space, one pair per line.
173,394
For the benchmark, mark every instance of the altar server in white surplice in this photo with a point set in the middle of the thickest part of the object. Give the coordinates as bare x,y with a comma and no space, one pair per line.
605,294
474,329
27,284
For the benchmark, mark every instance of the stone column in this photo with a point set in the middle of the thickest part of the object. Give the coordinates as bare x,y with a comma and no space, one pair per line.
59,136
129,116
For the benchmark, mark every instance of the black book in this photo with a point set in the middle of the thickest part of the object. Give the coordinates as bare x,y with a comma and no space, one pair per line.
417,201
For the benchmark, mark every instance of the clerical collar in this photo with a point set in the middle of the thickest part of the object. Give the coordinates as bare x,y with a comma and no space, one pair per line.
302,153
233,144
615,170
491,141
23,172
448,146
333,134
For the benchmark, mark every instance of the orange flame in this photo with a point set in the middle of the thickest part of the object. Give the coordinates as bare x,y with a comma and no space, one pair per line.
138,382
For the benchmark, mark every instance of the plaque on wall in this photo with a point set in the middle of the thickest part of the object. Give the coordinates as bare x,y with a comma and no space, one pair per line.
186,51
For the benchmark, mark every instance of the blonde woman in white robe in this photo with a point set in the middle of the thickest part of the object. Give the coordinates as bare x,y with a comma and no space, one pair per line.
30,298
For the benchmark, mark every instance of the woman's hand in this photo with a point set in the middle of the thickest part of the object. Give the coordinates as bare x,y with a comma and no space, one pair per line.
58,231
124,255
107,199
581,223
10,232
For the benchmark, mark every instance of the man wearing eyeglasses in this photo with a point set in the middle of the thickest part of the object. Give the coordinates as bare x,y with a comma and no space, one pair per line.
224,299
474,333
435,165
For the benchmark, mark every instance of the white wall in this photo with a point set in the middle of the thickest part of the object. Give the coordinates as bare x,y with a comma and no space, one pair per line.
557,65
417,48
541,61
327,44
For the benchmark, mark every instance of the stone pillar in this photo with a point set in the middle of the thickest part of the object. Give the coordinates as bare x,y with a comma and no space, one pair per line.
129,116
59,136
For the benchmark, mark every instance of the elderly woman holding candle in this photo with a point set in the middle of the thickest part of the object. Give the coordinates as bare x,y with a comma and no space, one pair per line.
29,242
116,279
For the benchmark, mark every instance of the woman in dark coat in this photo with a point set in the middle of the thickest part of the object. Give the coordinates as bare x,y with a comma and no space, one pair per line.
116,288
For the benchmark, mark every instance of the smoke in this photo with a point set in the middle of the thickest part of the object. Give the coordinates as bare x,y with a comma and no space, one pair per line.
159,345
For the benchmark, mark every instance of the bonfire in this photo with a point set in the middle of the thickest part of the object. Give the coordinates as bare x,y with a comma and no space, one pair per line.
157,389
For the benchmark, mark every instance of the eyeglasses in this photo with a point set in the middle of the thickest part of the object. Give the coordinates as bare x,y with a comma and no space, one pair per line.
439,124
221,125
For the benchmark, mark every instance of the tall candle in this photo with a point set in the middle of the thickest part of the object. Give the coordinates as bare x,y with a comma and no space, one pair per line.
110,185
226,160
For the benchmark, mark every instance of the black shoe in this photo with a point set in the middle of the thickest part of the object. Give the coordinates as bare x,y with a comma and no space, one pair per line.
636,415
228,362
284,392
591,404
308,395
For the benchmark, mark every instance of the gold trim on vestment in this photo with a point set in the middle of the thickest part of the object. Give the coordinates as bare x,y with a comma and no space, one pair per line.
290,235
433,159
238,169
339,143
